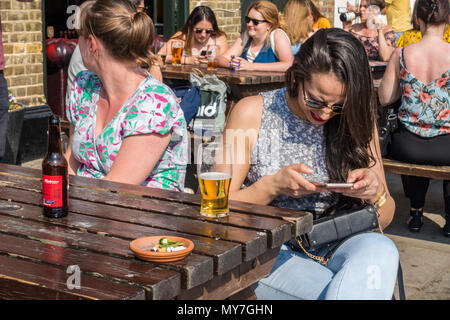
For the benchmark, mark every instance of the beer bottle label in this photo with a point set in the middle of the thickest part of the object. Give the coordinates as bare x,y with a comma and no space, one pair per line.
52,191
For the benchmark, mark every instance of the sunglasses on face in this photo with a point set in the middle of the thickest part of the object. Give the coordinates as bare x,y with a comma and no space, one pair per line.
255,21
314,104
199,31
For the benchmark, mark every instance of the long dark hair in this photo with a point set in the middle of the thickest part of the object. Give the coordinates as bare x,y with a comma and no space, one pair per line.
199,13
433,11
347,135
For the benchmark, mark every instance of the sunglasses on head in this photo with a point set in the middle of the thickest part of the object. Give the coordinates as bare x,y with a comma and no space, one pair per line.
199,31
255,21
314,104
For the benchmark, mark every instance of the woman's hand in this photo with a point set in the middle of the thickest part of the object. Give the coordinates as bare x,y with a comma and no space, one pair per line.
289,181
239,63
367,185
351,8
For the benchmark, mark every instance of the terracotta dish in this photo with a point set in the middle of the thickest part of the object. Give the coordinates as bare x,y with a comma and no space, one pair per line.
142,248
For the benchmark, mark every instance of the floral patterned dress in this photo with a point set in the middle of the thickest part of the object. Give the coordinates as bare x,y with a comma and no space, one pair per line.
425,108
371,44
152,109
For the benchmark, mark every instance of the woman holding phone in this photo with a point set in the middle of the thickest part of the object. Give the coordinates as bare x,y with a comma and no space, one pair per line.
321,128
199,31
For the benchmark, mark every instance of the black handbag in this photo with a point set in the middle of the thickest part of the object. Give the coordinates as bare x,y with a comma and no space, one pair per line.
387,125
335,228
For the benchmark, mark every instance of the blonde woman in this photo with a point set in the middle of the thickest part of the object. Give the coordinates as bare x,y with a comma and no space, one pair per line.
299,22
264,45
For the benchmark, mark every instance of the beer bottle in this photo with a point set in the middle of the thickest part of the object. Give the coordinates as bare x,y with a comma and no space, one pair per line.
55,174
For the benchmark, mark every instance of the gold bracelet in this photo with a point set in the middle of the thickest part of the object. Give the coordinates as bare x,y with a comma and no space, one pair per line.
381,199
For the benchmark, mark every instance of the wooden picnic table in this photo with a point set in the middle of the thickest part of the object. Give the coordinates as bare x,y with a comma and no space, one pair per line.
36,252
246,83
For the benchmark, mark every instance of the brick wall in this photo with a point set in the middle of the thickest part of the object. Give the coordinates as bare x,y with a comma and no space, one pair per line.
228,14
22,44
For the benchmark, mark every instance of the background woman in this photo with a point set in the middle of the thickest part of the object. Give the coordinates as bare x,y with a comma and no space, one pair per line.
320,128
414,35
126,126
379,39
299,22
320,21
199,31
264,45
419,74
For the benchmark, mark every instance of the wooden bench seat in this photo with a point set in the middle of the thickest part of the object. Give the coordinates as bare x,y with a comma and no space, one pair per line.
409,169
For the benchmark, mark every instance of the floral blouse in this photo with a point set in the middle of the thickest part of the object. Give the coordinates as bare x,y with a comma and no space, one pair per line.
152,109
371,44
425,108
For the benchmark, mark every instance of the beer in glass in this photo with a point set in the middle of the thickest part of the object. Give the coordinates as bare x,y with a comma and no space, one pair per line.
211,57
177,52
214,177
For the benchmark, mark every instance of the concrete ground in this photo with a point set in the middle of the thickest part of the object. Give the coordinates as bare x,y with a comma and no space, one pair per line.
425,256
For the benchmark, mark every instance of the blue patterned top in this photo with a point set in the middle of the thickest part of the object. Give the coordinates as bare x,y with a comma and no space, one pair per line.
425,108
285,139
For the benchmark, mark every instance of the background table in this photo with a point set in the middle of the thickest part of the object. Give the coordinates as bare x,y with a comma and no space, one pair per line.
229,255
242,83
246,83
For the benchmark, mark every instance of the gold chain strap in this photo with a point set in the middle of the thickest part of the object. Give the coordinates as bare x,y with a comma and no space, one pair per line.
322,260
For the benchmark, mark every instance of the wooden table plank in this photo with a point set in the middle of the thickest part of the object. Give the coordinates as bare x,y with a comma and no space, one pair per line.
238,77
255,242
21,279
104,216
301,220
156,282
128,224
195,269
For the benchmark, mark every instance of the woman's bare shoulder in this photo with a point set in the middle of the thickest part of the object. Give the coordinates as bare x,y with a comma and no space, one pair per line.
247,112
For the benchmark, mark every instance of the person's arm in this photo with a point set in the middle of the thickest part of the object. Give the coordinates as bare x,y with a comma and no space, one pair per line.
222,45
384,47
137,157
370,184
73,163
235,50
389,90
244,122
283,51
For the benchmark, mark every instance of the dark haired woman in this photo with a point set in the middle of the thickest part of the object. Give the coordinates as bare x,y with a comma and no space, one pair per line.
320,128
126,126
199,31
420,75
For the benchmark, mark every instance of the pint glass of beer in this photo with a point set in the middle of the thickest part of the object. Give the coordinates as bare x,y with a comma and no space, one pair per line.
214,169
177,51
211,57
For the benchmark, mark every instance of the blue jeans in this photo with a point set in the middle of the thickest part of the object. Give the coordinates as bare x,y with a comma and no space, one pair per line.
362,267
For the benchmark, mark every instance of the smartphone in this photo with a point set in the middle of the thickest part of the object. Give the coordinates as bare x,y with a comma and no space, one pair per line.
203,53
333,185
